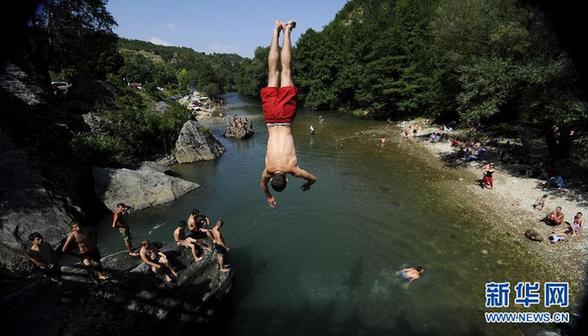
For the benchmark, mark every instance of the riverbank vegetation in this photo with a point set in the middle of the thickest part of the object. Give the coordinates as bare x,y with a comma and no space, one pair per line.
477,62
129,87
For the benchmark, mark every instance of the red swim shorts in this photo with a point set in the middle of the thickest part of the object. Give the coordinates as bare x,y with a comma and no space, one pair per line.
278,104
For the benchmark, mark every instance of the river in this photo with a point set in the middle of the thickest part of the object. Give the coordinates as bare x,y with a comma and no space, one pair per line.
324,261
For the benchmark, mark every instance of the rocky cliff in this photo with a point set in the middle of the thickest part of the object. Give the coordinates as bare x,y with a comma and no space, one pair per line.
133,301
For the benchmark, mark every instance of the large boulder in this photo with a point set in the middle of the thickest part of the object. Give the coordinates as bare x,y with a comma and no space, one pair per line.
139,188
16,82
196,143
238,132
133,302
33,197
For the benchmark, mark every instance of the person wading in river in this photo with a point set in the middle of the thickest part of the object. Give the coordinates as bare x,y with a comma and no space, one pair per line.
278,102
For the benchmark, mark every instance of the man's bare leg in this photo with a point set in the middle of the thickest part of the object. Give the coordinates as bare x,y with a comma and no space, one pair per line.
286,56
273,76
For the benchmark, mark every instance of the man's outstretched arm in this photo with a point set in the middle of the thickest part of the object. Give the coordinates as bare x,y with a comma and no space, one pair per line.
310,179
265,177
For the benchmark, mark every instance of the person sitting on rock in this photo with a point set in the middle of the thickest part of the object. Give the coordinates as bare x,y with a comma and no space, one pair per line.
42,255
188,242
219,245
279,109
556,217
411,274
88,251
119,222
156,260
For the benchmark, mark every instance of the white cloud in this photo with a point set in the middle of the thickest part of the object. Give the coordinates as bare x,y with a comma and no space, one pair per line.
170,26
222,48
157,40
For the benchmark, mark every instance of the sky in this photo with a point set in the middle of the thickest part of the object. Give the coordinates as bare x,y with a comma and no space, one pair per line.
221,26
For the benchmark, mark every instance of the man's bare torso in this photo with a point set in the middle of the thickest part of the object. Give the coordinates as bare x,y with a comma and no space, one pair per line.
281,153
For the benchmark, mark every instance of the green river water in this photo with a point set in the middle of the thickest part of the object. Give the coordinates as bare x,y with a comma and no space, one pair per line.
324,261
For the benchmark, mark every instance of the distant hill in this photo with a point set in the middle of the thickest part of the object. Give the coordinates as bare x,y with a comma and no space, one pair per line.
164,66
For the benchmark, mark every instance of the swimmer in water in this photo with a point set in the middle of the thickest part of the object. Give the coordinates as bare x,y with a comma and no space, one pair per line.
411,274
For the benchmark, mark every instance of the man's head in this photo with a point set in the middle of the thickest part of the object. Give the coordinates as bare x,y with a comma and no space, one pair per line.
182,223
75,226
121,207
35,238
195,212
145,243
558,209
419,269
279,181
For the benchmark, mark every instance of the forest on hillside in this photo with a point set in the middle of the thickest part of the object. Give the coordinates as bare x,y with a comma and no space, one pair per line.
478,62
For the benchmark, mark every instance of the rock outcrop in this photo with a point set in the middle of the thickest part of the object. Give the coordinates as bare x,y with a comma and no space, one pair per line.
238,132
140,188
132,302
196,144
532,234
29,202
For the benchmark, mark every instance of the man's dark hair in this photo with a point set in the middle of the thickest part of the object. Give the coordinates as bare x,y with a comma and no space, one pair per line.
34,236
195,212
182,223
120,205
419,269
278,182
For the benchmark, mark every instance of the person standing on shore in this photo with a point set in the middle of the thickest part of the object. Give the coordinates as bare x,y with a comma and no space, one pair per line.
278,101
488,179
119,222
219,245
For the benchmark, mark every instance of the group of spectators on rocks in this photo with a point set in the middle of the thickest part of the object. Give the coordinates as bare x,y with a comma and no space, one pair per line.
240,122
199,231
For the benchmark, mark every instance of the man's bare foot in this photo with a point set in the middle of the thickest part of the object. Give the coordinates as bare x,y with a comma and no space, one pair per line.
199,258
226,269
134,254
279,25
289,25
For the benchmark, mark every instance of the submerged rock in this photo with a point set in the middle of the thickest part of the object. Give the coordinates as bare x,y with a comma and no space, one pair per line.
238,132
139,188
533,235
196,144
133,301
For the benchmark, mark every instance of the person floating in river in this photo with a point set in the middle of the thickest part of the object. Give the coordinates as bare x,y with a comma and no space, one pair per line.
43,256
278,101
156,260
119,222
219,245
411,274
88,251
188,242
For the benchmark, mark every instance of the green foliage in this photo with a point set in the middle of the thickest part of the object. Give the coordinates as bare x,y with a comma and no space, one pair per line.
477,61
134,132
76,37
165,66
